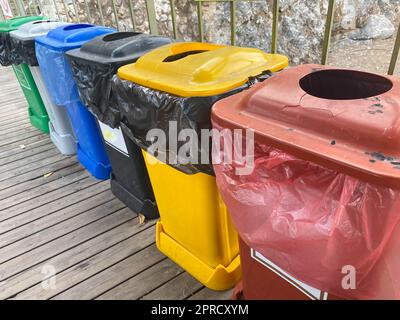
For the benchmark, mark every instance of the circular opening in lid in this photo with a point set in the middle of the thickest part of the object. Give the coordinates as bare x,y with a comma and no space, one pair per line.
337,84
119,35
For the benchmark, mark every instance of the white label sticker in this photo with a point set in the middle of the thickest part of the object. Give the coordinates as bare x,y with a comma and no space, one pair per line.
311,292
114,138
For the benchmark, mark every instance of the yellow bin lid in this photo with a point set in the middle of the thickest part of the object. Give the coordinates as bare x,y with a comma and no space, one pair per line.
199,69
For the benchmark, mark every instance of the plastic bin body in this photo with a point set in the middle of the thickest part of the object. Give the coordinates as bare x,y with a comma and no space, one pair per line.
194,229
264,280
50,52
320,210
61,132
36,110
60,127
101,58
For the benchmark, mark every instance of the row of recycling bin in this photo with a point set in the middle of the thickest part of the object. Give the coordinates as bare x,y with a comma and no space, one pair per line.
322,189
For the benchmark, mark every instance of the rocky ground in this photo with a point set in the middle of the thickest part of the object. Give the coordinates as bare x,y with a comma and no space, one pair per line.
368,55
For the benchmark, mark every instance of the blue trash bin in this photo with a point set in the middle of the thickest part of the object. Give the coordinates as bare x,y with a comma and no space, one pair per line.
57,74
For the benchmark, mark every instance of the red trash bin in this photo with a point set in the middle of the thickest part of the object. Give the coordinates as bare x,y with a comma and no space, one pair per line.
318,213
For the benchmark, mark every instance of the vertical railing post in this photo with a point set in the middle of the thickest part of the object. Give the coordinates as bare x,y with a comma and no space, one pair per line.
100,12
114,7
173,17
66,10
395,54
28,9
275,19
16,7
76,11
87,11
328,32
132,14
35,7
39,4
151,15
233,22
56,8
21,7
200,20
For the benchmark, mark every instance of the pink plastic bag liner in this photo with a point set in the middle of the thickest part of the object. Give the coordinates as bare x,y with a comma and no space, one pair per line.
313,222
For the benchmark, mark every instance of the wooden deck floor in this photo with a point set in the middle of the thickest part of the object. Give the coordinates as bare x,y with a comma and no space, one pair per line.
63,235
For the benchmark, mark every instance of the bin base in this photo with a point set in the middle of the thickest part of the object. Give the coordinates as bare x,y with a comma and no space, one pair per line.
219,278
39,122
147,207
97,169
65,143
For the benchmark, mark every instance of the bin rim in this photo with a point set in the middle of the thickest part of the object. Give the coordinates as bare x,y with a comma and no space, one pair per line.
355,140
199,69
26,32
91,57
62,40
14,23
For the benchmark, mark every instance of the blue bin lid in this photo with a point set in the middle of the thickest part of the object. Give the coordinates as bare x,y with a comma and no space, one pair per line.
72,36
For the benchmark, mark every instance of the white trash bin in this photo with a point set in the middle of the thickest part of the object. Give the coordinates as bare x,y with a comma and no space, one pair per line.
23,46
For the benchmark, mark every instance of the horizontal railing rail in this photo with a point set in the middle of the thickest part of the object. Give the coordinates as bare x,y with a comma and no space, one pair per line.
31,7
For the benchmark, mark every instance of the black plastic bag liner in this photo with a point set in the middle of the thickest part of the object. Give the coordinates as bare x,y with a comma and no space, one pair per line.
23,52
143,109
95,63
5,49
23,40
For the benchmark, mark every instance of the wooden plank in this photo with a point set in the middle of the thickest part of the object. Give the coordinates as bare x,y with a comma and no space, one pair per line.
13,107
15,147
24,230
66,242
54,232
207,294
11,125
72,177
144,282
18,132
18,117
12,137
33,166
20,137
116,274
40,147
13,116
178,288
28,185
27,161
23,123
69,258
41,201
25,180
121,259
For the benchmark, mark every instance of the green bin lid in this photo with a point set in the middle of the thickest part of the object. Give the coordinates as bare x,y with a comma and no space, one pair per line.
13,23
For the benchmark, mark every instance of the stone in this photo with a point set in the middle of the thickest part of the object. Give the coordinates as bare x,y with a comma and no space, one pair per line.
301,25
376,27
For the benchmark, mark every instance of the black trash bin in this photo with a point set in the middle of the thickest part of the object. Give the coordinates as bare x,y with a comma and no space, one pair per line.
93,66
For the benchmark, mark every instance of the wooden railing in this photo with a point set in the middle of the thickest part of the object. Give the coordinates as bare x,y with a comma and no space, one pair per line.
33,7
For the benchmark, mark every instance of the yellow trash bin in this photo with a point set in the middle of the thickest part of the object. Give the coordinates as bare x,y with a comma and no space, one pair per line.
180,82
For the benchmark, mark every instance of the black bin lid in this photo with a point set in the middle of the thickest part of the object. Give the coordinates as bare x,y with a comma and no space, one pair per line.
118,47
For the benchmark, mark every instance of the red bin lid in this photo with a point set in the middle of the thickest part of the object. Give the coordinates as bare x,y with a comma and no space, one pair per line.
343,119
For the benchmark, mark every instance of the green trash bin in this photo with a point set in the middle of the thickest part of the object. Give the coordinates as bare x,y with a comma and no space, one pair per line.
37,112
